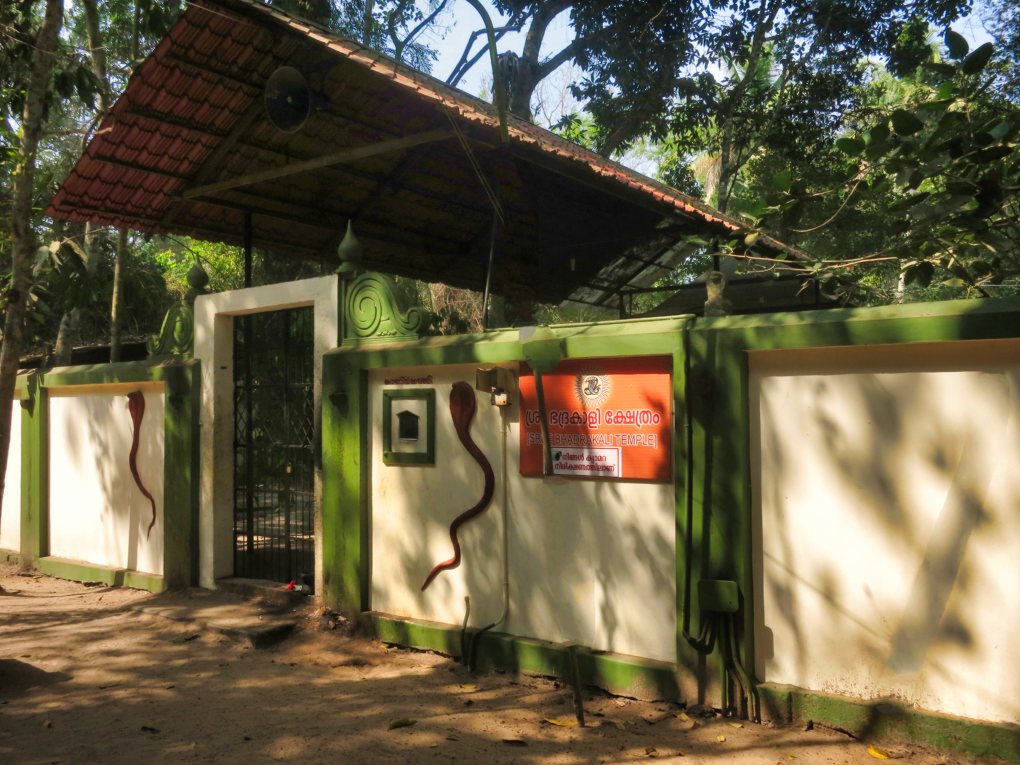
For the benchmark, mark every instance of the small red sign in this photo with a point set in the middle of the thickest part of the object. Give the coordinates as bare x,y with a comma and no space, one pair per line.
607,418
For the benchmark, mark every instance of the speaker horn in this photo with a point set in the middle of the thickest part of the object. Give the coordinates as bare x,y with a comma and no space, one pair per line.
288,99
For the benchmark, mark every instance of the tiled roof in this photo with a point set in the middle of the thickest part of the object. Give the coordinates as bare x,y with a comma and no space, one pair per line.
192,115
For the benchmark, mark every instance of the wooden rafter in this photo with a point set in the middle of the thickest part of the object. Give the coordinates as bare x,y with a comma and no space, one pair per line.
336,158
328,220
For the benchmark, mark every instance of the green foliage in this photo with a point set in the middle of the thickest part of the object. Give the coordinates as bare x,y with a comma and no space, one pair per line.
579,128
382,24
175,257
1001,20
938,177
790,70
62,283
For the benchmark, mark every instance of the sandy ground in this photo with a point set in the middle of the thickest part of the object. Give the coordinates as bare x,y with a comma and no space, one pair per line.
85,678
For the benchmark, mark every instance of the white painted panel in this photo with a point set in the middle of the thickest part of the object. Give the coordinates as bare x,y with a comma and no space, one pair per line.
590,561
888,489
10,514
97,512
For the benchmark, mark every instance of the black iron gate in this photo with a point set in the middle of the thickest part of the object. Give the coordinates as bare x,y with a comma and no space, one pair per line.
274,485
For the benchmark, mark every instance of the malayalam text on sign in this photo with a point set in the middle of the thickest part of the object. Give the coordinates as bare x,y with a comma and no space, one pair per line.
607,418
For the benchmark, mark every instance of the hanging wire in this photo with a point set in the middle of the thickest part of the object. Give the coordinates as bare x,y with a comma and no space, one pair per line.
486,186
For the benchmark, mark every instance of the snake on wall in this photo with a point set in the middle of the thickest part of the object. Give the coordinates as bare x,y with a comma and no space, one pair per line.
136,406
462,410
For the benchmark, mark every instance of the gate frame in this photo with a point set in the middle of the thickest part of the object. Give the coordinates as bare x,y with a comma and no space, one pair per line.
214,346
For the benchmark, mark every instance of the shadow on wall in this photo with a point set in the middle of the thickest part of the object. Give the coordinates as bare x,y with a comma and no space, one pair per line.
97,512
591,561
887,531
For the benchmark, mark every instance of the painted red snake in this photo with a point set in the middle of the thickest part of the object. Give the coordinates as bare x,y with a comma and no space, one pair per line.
462,410
136,406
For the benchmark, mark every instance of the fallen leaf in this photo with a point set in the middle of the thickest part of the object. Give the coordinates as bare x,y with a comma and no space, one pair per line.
562,723
515,742
736,725
879,754
721,739
405,722
469,688
682,716
650,751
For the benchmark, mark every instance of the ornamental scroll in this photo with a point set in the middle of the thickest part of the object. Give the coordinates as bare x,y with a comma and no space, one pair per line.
373,311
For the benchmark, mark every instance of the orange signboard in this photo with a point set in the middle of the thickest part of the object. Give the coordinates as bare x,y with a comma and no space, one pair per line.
607,418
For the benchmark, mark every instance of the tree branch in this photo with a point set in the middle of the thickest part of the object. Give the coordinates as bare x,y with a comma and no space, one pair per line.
399,48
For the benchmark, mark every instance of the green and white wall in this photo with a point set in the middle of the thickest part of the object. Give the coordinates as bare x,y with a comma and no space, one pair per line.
81,515
10,516
588,562
885,486
843,501
859,459
848,471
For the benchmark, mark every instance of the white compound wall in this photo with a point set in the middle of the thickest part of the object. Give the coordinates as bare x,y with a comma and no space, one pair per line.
97,512
10,513
590,561
886,488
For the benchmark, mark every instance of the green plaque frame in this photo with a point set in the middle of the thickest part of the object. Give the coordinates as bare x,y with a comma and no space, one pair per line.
426,453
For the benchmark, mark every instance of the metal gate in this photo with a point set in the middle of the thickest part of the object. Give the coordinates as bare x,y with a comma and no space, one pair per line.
273,456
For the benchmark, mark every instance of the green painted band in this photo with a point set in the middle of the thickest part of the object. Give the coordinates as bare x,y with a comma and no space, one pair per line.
887,721
79,571
111,374
616,673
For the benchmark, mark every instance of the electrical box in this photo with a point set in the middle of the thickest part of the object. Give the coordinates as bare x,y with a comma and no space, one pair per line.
497,382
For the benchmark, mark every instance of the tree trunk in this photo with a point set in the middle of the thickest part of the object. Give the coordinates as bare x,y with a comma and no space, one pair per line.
68,331
366,23
23,241
529,68
727,167
98,52
115,303
64,346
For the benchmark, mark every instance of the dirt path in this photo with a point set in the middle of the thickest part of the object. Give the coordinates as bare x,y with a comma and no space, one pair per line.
84,678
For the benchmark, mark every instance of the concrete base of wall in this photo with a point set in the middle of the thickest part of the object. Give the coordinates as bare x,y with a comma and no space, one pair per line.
890,721
619,674
80,571
879,721
10,556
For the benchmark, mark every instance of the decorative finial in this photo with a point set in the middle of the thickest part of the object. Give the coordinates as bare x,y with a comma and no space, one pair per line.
198,279
351,254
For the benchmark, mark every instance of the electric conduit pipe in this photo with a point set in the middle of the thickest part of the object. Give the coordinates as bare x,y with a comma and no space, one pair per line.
722,616
471,657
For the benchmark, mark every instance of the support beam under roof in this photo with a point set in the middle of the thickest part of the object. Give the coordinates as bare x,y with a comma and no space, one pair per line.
336,158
